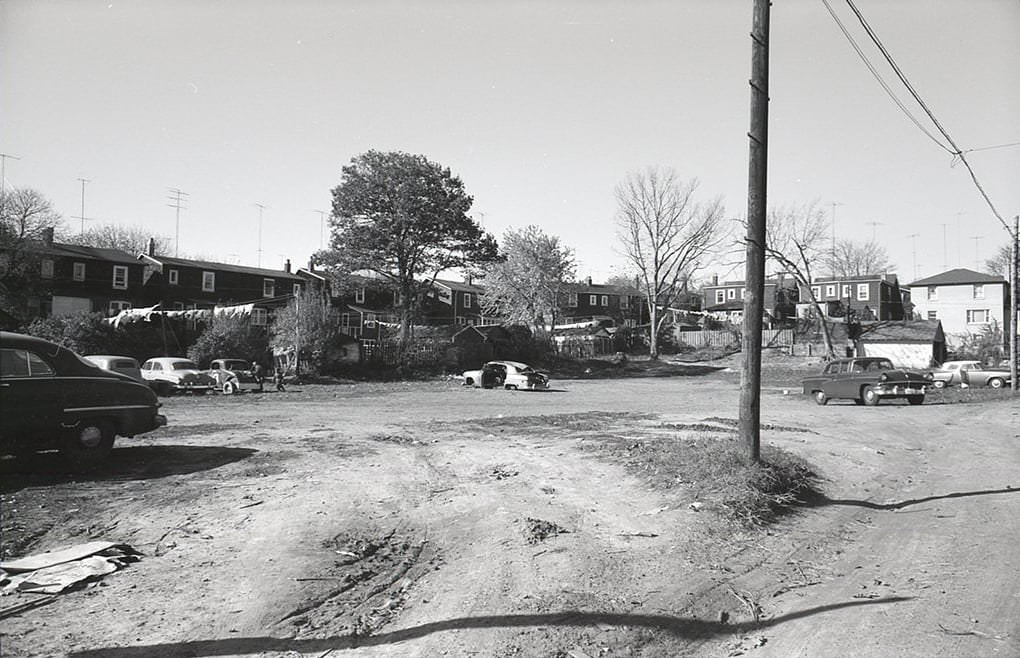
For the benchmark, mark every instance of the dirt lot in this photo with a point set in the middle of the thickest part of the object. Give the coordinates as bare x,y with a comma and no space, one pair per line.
427,519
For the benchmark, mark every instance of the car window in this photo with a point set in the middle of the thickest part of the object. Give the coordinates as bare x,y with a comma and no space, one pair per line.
831,369
184,365
124,363
858,367
22,363
884,364
155,365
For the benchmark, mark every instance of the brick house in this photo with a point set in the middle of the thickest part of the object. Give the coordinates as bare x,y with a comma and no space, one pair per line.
454,302
725,301
965,301
872,296
585,301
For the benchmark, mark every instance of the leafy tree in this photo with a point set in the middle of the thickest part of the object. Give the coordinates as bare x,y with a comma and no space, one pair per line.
132,239
406,218
795,239
857,259
229,337
25,216
524,285
666,234
84,332
309,328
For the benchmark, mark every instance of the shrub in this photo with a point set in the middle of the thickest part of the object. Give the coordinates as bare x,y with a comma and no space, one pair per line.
84,333
229,337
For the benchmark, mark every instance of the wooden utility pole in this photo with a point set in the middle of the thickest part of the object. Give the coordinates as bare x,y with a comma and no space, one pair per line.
1014,295
754,280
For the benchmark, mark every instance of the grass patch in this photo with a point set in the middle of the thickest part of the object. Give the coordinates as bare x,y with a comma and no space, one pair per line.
712,470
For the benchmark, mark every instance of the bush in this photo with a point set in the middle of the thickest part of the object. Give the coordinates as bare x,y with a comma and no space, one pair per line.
84,333
230,337
986,346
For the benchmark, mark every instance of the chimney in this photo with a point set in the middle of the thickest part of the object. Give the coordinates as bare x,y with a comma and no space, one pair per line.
152,247
47,236
311,265
715,279
589,280
286,266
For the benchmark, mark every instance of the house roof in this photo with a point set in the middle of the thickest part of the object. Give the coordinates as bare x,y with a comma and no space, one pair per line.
884,276
460,286
222,267
958,277
771,281
94,253
486,331
731,305
918,331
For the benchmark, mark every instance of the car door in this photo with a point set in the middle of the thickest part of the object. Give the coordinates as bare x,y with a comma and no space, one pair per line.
30,396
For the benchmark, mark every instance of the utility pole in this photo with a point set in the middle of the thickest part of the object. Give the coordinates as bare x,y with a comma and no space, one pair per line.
82,217
177,203
754,303
1014,296
3,176
833,254
261,208
913,245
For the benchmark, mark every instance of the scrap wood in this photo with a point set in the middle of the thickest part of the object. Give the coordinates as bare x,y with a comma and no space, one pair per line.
751,606
949,631
52,558
18,608
639,534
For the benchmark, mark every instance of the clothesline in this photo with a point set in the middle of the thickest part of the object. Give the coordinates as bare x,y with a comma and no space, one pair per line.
146,314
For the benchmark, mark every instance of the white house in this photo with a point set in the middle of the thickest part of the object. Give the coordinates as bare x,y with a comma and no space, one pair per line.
965,301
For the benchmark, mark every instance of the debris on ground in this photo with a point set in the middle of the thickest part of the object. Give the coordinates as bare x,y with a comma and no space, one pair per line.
502,473
58,571
537,530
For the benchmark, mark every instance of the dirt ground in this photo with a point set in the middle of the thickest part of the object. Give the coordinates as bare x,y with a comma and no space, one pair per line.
427,519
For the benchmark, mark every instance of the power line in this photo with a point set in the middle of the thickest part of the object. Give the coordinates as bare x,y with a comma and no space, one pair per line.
957,152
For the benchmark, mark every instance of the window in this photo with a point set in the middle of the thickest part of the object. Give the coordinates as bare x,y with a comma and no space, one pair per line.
79,272
46,268
297,289
844,292
22,363
593,300
830,290
731,293
720,296
178,306
605,300
742,291
978,316
816,291
173,277
268,287
979,291
259,317
933,315
467,300
572,299
359,296
117,305
624,301
120,277
862,292
209,281
933,292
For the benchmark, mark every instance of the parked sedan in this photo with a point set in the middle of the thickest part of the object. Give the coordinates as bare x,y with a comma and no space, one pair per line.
54,399
125,365
508,374
174,374
866,380
969,373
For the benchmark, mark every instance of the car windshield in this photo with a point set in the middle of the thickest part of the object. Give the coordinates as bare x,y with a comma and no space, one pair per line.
185,365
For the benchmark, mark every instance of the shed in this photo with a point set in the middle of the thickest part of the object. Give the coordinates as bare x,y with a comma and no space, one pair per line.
479,343
917,344
583,342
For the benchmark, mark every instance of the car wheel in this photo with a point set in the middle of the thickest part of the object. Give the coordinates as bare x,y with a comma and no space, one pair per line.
229,388
821,398
939,383
995,382
915,399
468,381
163,389
510,387
88,444
869,396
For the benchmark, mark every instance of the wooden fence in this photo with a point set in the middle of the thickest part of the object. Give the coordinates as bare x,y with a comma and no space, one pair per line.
769,338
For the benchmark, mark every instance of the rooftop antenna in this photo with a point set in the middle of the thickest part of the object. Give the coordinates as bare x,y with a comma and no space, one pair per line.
959,239
873,225
177,202
945,259
834,204
261,208
3,170
82,217
913,245
977,259
322,228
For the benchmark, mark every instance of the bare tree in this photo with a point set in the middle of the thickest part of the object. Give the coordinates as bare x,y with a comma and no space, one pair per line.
524,285
999,264
796,241
132,239
857,259
25,218
665,233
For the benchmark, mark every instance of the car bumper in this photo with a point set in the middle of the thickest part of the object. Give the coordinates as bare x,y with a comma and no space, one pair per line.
900,390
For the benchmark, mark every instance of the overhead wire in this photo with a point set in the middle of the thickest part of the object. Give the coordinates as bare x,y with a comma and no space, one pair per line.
955,151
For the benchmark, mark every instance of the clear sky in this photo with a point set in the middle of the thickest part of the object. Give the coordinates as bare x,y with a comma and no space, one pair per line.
540,107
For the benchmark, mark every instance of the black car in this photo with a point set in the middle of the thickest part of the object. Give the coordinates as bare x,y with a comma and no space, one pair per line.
54,399
867,380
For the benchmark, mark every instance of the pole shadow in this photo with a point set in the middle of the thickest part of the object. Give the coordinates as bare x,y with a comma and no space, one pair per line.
821,500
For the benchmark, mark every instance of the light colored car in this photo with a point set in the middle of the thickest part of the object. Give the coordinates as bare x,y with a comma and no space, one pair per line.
125,365
969,373
174,374
511,375
233,375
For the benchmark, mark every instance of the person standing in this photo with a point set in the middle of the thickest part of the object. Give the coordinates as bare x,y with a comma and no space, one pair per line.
278,379
258,374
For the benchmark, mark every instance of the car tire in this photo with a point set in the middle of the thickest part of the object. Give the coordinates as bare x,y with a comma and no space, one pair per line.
510,387
468,381
163,389
88,444
939,384
869,396
821,398
915,399
229,388
996,382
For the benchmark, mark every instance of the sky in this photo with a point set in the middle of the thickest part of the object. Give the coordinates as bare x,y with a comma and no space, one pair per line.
541,108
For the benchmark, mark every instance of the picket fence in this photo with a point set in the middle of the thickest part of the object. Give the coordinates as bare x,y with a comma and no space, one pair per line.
769,338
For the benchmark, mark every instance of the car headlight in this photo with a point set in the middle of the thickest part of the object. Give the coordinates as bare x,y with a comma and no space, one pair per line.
883,377
929,376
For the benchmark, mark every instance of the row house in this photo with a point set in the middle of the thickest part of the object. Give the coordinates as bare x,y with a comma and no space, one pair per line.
872,296
585,301
455,303
725,301
964,301
185,284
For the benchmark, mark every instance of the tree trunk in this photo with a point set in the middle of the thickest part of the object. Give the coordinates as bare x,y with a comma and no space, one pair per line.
653,332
